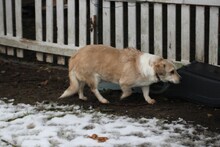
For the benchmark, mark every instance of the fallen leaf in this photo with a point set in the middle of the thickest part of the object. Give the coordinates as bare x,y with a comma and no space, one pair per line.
99,139
93,136
102,139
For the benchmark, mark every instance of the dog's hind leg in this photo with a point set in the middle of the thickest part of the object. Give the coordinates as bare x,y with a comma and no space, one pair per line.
93,84
80,92
74,86
126,91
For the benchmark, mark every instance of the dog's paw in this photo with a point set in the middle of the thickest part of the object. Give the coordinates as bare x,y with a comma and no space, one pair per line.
104,101
83,98
151,101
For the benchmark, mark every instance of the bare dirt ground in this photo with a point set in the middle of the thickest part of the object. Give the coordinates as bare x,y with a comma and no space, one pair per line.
34,82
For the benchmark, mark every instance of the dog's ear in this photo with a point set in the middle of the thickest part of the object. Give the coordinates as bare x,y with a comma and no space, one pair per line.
159,68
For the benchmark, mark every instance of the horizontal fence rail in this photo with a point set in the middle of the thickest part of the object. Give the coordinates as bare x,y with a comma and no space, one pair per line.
180,30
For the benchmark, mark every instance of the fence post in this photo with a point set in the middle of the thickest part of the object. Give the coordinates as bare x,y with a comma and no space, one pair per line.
171,31
60,28
145,27
49,27
200,33
18,19
119,30
213,35
106,16
158,29
2,27
9,24
185,33
38,26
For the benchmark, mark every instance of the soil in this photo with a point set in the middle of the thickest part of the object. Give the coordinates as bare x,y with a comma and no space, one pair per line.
29,83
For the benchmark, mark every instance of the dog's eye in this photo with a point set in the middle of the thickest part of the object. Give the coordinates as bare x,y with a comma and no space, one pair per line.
172,72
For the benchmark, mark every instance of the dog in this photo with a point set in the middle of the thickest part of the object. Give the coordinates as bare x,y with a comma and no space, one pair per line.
127,67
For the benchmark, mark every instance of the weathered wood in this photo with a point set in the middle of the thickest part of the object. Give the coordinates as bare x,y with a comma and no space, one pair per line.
49,26
60,28
171,31
132,25
158,29
38,26
18,18
71,22
38,19
49,20
39,46
213,35
18,22
119,37
106,16
2,27
93,16
145,27
186,2
9,24
61,60
60,22
185,34
200,33
82,22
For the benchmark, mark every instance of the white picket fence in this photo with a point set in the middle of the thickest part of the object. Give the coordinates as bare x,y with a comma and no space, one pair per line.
180,30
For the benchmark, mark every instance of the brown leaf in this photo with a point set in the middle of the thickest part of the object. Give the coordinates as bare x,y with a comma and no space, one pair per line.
93,136
102,139
99,139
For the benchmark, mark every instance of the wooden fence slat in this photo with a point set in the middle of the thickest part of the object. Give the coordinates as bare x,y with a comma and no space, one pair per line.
171,31
49,26
39,46
119,39
213,35
106,16
60,22
132,25
145,27
9,24
38,26
200,33
82,22
18,19
158,29
71,21
60,28
2,28
185,33
93,16
49,20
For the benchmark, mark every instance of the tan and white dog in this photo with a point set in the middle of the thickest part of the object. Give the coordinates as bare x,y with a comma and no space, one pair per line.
126,67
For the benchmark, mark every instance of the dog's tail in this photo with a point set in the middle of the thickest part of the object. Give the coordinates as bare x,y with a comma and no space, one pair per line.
74,85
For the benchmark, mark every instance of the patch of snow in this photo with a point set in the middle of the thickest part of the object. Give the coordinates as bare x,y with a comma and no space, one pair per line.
47,125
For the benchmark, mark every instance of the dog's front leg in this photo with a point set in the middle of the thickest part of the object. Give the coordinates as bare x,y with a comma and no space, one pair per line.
145,91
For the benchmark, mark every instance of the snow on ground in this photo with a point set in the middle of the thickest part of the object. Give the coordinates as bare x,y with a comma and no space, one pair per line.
45,125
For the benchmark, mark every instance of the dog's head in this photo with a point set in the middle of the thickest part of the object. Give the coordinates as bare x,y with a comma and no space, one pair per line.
166,71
